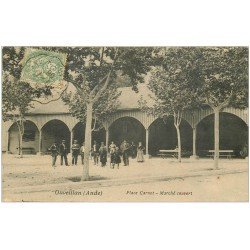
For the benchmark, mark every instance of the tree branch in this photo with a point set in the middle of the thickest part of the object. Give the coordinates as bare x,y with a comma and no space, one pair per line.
208,102
94,125
179,118
98,85
175,119
101,56
226,103
53,100
107,80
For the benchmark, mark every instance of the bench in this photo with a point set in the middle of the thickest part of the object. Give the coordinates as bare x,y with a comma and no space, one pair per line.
222,153
165,152
27,150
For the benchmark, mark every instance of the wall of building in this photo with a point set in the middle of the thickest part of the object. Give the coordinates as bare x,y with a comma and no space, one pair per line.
145,120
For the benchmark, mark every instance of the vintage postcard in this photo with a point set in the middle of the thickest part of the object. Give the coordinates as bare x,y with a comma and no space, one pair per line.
130,124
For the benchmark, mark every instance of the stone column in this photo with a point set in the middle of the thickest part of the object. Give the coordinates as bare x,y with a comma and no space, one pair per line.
147,135
8,142
194,156
107,137
40,143
71,139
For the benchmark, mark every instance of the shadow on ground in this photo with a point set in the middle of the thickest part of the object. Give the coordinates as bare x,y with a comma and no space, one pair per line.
91,178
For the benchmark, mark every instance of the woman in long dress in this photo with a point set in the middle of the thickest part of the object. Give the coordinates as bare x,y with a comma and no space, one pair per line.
103,155
140,149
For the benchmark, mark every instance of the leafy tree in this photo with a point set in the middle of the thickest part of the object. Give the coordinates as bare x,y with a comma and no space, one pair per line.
106,105
223,82
92,70
17,96
173,88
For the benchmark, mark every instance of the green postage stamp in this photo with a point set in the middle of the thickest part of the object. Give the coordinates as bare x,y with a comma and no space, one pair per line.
41,67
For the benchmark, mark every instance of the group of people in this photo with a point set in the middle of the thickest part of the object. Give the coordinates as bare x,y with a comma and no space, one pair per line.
98,153
63,151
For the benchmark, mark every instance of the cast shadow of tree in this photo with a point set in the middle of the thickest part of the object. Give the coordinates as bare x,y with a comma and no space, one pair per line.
91,178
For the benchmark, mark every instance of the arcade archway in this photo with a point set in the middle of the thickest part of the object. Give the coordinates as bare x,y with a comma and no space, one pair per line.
54,131
129,129
163,135
233,134
98,135
30,138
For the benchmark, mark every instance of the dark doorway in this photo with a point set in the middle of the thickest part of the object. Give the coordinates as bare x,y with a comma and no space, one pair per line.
129,129
233,134
98,135
52,131
163,135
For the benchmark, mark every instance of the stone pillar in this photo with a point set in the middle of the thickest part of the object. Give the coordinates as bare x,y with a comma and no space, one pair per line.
107,137
8,142
40,143
194,156
71,139
147,135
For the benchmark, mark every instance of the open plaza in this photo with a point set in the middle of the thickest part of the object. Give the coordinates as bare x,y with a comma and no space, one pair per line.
33,179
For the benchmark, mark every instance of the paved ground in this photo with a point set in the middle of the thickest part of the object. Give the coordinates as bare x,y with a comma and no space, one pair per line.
33,179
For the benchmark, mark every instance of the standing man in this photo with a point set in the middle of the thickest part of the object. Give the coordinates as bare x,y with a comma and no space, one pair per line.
63,153
133,150
124,149
54,152
75,152
112,147
112,151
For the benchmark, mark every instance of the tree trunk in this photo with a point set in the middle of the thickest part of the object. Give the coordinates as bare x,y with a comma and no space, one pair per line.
20,141
216,137
88,132
179,142
21,145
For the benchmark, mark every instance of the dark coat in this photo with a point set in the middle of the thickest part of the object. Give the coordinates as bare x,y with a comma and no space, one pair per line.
103,154
75,149
63,149
116,157
53,150
125,147
133,150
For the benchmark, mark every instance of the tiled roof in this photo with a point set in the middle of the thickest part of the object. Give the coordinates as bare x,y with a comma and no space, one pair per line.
128,100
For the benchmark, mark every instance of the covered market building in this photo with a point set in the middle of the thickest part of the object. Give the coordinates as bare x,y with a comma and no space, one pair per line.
53,122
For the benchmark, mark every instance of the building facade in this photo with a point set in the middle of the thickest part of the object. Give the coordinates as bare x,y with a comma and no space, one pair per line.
53,122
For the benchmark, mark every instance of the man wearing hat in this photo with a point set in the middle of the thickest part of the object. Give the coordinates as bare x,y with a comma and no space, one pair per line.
63,152
54,152
75,152
124,149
